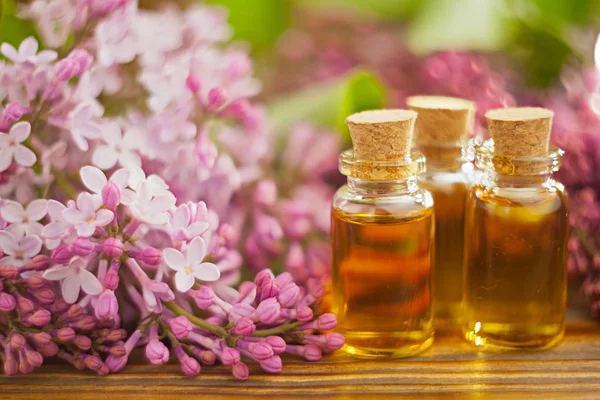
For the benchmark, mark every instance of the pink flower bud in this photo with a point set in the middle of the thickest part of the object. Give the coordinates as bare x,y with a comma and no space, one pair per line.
238,109
14,111
35,281
34,358
118,350
263,276
62,254
65,334
284,278
66,69
44,295
17,341
268,310
111,280
216,99
25,306
74,311
335,341
269,289
326,322
272,365
8,271
230,356
203,297
82,58
156,352
40,318
245,327
277,344
190,366
180,326
106,306
40,262
113,247
288,295
49,350
111,195
40,338
85,323
206,357
265,194
295,260
24,366
312,352
239,311
60,306
7,302
240,371
151,256
116,364
192,83
82,246
11,367
261,350
93,362
304,314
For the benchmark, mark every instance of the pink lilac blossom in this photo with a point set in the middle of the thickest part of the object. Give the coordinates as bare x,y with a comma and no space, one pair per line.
124,165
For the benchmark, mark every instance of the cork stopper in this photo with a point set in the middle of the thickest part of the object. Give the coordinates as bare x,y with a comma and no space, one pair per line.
381,134
382,141
520,131
442,121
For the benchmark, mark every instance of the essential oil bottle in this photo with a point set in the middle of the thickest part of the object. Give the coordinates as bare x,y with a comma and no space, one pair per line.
517,227
382,238
441,132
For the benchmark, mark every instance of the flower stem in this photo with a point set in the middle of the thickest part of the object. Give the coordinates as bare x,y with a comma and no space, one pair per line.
64,183
217,330
276,330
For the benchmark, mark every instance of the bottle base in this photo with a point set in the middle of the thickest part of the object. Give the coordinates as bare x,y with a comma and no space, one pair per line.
386,345
506,337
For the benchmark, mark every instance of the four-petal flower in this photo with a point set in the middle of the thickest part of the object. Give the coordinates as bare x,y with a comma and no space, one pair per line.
190,266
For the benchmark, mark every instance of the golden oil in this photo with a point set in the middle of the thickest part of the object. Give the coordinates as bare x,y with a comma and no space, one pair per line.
516,233
382,240
381,282
441,132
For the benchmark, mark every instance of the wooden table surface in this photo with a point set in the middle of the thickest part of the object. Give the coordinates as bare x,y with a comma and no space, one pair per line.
450,369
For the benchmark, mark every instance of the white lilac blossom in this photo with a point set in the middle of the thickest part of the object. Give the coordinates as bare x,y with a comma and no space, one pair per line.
131,168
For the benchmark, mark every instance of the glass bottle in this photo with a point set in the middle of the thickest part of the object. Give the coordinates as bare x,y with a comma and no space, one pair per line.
441,132
382,238
515,285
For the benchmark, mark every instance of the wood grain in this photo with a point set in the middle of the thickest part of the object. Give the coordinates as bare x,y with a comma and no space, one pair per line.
450,369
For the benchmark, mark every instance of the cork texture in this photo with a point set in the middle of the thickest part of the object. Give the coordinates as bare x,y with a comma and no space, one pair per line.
380,135
443,121
520,131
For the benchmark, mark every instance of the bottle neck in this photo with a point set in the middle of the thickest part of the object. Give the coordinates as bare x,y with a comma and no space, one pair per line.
443,158
383,188
493,178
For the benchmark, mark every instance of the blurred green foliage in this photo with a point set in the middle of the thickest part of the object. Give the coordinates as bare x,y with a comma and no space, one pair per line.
12,28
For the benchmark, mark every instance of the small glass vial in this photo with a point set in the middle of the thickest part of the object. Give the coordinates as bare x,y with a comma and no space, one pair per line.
382,238
441,132
515,286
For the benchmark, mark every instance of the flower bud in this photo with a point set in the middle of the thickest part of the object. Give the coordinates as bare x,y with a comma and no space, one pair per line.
312,352
7,302
40,262
326,322
111,195
230,356
8,271
62,254
24,366
277,344
82,58
189,365
216,99
106,306
118,350
269,289
240,371
82,246
268,310
66,69
65,334
34,358
265,194
304,314
14,111
335,341
17,341
83,342
180,326
115,364
44,295
239,311
113,247
11,367
40,338
244,327
206,357
156,352
25,306
288,295
260,350
49,350
111,280
192,83
35,281
262,276
203,297
272,365
93,362
151,256
40,318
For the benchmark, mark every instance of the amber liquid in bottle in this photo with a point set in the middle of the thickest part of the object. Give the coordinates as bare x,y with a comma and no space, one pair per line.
515,275
449,191
381,281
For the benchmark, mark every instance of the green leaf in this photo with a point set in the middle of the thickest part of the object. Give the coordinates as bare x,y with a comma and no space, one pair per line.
12,28
576,12
398,9
460,24
260,22
328,104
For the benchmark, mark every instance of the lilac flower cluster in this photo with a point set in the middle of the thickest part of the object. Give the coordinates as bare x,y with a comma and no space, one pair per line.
133,181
